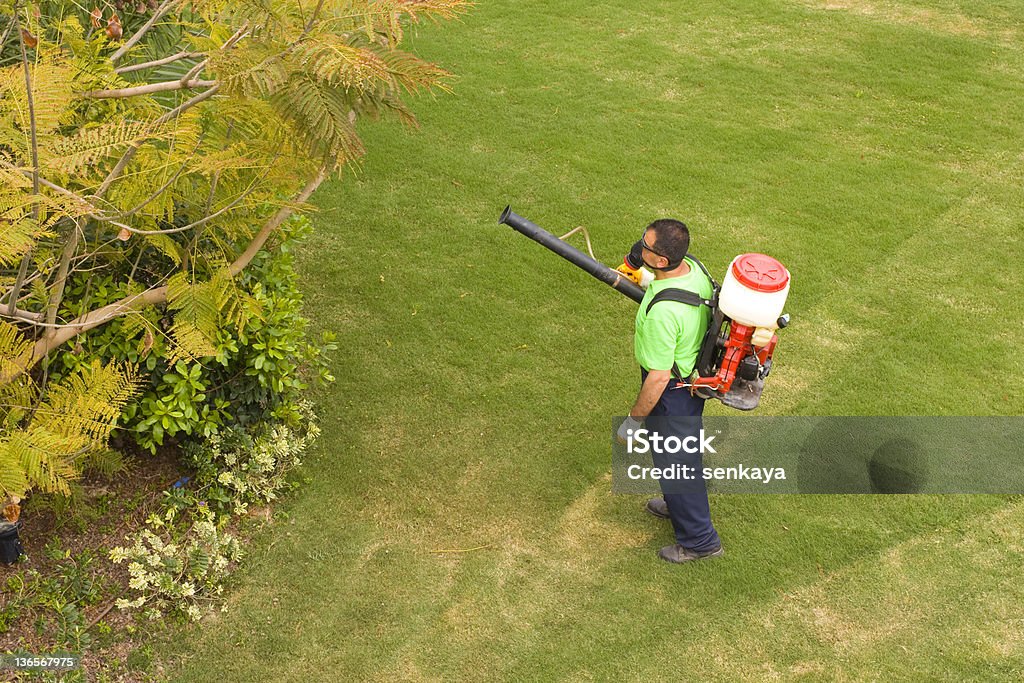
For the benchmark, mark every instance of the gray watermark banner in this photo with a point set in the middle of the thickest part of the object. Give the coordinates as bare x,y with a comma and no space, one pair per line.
768,454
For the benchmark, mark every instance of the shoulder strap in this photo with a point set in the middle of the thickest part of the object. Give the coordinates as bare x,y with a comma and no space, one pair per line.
714,285
683,296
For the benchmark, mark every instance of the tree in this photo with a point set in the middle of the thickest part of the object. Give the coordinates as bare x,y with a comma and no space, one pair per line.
165,146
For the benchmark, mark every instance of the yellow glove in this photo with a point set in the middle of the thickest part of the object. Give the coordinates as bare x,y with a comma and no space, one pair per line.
641,276
633,275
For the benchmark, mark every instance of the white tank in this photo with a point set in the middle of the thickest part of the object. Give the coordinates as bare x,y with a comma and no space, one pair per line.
755,290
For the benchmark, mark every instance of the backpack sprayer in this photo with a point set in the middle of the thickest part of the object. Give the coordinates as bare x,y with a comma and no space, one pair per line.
735,355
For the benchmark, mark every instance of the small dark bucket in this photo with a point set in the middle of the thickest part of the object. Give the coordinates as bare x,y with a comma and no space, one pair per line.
10,544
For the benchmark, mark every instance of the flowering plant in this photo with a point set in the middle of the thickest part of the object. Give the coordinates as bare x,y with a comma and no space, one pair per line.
237,467
176,572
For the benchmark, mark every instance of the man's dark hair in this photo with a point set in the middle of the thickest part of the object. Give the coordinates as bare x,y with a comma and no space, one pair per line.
671,238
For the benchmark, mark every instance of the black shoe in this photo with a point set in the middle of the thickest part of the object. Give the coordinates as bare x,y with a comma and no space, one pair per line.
658,507
677,554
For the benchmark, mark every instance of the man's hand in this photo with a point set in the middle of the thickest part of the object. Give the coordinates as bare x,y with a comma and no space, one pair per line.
641,276
630,423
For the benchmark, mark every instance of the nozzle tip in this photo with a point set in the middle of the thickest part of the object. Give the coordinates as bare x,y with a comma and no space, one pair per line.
504,214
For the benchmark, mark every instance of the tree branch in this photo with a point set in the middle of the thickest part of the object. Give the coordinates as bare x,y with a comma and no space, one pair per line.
57,293
261,237
206,219
7,32
184,54
19,314
19,281
138,207
129,154
148,88
90,209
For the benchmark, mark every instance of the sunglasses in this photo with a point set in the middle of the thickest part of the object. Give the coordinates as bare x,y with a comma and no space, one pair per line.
643,243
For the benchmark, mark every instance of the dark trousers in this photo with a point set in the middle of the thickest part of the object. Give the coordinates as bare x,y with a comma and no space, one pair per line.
689,512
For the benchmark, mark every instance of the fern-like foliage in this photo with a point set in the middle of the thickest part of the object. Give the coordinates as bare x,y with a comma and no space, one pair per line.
321,115
70,154
201,309
14,351
74,418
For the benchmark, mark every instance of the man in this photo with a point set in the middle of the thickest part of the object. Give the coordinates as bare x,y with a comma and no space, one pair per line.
667,340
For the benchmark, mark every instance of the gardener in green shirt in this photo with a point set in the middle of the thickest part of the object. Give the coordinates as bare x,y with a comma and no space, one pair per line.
667,341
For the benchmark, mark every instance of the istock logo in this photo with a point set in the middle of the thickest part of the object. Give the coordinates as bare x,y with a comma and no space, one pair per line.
643,441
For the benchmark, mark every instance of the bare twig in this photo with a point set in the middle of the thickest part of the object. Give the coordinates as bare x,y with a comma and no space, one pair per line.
464,550
19,281
184,54
238,35
57,292
95,620
130,43
7,33
313,17
194,71
31,278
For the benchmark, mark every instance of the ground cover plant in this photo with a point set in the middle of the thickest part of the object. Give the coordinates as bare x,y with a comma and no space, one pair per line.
461,527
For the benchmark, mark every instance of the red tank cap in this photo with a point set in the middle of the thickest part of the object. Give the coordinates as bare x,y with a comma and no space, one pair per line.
760,272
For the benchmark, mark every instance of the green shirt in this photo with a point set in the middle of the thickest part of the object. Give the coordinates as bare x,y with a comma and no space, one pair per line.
673,331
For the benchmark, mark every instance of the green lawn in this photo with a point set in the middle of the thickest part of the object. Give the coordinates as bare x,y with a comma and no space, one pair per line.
874,147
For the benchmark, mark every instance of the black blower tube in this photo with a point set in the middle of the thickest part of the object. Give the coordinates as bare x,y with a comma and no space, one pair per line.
607,275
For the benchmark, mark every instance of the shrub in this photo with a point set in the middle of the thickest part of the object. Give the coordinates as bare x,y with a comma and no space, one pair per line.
239,467
258,373
177,572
